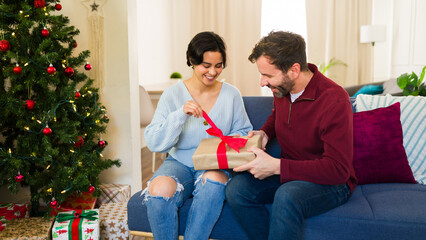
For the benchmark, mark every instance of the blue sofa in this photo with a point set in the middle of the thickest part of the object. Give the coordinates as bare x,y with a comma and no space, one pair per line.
375,211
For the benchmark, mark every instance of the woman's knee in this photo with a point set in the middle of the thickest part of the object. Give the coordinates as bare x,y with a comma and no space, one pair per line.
164,186
215,175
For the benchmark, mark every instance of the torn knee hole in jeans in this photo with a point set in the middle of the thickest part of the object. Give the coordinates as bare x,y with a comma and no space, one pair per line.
205,179
179,188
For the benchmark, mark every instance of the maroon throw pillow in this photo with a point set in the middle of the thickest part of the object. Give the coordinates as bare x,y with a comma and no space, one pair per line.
379,155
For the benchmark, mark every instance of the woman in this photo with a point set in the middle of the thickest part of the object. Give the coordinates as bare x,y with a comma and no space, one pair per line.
177,128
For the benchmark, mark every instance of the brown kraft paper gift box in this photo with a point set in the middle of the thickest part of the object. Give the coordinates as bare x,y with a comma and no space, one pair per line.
205,157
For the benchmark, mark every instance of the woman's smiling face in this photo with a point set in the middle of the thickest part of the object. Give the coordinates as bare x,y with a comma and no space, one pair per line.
210,69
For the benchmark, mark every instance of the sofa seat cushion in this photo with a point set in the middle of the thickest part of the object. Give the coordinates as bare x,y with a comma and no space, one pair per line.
375,211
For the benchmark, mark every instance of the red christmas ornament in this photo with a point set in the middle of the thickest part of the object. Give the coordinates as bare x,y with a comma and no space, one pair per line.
47,131
58,7
39,3
102,143
51,69
53,203
80,142
29,104
74,44
45,32
92,189
17,70
4,45
69,71
19,177
77,95
87,66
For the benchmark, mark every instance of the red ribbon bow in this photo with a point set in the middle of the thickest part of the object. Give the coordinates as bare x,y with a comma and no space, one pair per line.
234,143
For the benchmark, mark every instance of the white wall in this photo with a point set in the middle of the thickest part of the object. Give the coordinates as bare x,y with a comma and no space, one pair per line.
120,94
163,33
404,51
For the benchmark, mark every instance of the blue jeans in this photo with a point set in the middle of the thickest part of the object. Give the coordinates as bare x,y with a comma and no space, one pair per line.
205,210
292,202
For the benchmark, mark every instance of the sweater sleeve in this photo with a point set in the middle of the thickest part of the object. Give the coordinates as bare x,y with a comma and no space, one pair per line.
166,126
241,124
334,167
269,126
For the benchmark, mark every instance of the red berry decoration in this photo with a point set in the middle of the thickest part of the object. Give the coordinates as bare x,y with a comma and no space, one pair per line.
77,95
29,104
87,66
47,131
51,69
92,189
45,32
80,142
4,45
39,3
58,7
19,177
69,71
53,203
17,70
101,143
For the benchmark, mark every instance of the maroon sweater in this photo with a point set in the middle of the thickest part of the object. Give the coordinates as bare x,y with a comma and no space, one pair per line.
315,133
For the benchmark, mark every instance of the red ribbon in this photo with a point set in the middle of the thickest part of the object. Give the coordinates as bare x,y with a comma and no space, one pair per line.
234,143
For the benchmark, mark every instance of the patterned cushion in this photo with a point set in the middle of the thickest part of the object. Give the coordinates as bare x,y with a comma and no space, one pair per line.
413,120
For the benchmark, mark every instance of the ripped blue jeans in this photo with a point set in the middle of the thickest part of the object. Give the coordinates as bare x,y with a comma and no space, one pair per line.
207,204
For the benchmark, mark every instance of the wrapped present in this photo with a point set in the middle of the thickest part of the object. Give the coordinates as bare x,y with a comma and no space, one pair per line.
37,228
81,201
205,157
223,152
113,221
112,193
9,211
75,225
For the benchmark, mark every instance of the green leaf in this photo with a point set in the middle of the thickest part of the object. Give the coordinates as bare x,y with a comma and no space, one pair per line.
402,80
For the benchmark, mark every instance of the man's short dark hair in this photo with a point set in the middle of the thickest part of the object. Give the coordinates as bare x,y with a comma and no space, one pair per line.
204,42
283,49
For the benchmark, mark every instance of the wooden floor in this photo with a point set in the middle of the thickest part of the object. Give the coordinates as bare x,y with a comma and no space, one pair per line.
146,158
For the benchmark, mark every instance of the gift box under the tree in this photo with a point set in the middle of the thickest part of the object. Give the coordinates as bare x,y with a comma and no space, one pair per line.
206,155
9,211
112,193
75,225
81,201
113,221
33,228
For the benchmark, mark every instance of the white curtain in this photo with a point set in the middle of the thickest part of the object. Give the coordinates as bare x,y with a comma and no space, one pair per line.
238,22
333,32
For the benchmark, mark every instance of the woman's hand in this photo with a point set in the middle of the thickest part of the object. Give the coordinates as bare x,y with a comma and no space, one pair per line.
263,136
192,108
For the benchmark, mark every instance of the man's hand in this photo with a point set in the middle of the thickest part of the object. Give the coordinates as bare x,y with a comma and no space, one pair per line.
263,136
262,166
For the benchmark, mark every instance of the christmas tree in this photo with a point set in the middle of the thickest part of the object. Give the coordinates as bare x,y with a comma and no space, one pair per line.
51,119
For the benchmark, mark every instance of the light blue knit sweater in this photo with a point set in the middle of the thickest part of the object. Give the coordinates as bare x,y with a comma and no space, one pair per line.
179,134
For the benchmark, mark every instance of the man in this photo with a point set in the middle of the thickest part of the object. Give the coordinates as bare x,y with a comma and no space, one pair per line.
312,120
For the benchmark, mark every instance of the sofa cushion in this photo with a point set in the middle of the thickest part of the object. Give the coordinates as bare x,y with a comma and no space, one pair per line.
379,156
413,120
369,89
375,211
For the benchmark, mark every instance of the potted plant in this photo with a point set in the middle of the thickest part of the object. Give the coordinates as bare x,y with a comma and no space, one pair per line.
175,76
411,84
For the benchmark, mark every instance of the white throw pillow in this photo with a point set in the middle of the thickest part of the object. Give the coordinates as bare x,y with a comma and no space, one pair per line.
413,121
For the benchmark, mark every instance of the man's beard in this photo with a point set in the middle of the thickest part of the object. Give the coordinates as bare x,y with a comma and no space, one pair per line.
286,86
281,91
